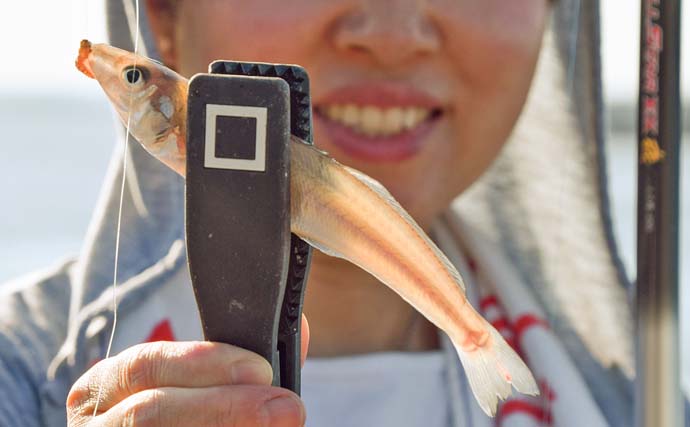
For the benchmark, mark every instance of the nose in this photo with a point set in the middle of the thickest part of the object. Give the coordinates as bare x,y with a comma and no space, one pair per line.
390,33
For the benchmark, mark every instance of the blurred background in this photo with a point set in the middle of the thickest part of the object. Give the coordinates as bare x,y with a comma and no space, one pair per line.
58,134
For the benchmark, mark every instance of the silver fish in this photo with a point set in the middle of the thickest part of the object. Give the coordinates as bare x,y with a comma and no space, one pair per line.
338,210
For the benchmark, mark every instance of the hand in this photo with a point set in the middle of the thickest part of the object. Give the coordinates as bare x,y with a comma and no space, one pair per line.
202,384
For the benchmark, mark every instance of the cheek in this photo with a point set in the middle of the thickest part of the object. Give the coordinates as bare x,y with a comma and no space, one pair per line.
494,46
257,31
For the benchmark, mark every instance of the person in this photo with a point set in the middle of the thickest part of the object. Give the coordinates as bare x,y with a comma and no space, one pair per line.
483,118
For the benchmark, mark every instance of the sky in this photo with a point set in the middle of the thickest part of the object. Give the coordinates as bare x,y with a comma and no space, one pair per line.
39,40
43,35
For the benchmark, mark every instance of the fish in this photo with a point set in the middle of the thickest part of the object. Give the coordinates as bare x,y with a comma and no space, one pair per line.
336,209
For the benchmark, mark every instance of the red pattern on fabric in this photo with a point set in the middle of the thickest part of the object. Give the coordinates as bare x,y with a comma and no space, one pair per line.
525,322
538,407
161,332
516,406
488,301
472,264
546,391
501,323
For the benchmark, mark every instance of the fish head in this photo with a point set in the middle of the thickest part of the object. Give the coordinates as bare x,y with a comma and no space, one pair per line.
148,97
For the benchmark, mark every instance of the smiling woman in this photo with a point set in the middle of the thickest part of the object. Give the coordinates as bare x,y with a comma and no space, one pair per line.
376,59
494,101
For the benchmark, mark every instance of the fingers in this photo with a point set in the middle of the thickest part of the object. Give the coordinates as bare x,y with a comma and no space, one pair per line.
226,406
184,383
304,339
166,364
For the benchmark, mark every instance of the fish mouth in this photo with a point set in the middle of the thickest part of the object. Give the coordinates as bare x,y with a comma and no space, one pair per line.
82,61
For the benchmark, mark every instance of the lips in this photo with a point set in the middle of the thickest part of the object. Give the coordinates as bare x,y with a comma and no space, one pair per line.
378,122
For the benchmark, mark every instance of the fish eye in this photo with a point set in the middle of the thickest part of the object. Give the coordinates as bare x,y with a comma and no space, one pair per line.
133,75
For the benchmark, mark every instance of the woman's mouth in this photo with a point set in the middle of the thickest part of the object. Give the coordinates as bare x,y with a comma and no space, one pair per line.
378,123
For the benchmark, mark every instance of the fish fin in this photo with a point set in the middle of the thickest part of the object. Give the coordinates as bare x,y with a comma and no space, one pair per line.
380,190
322,248
311,146
492,368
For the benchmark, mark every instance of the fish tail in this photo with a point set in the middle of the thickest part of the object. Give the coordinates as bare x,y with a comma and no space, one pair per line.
492,368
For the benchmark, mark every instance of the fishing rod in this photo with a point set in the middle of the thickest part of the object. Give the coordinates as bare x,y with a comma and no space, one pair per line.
658,399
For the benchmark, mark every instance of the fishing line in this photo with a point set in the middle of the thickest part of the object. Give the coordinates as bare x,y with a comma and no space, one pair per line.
119,212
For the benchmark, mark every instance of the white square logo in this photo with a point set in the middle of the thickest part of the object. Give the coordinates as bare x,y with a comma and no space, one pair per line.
211,160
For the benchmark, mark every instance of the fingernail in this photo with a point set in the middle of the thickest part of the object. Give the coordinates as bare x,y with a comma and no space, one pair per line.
285,411
251,372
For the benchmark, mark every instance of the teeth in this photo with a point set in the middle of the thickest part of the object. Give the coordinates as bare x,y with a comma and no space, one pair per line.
374,121
370,120
349,115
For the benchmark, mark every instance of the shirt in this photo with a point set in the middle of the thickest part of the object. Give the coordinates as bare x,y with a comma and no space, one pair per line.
380,389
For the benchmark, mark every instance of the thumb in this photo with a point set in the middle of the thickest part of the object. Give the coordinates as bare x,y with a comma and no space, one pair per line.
304,339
